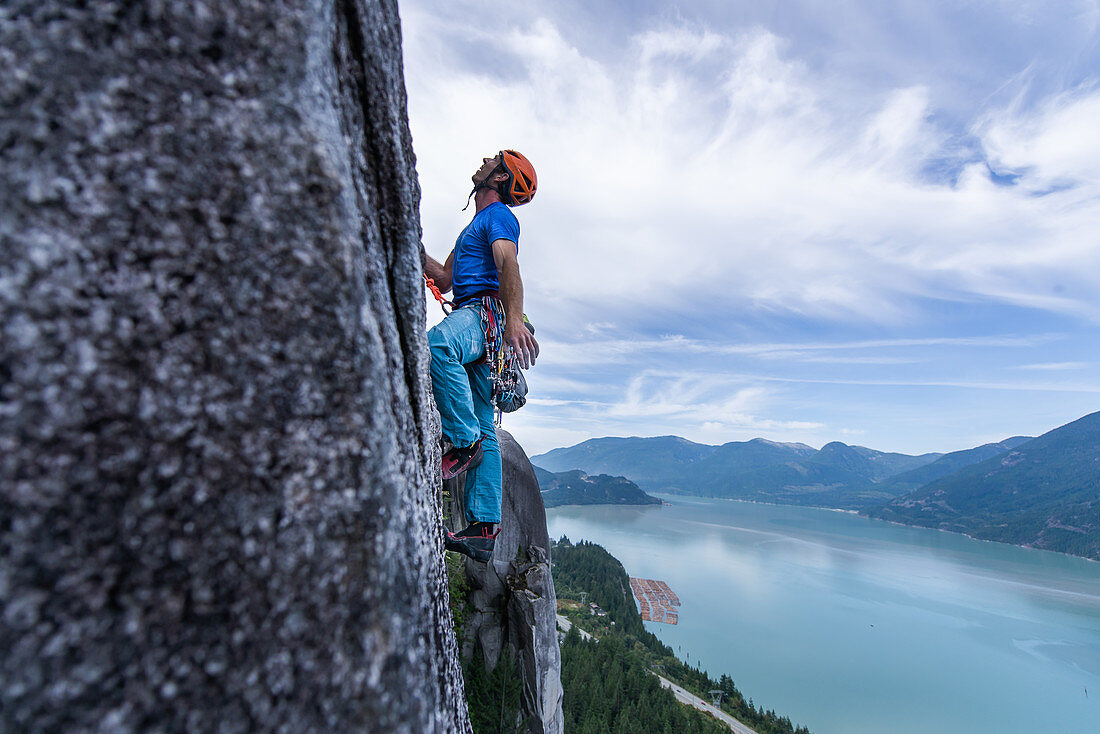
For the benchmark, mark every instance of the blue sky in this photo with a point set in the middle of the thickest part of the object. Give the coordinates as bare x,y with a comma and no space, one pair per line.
870,222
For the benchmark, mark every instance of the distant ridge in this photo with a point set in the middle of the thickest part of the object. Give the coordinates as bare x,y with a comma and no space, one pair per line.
659,457
1041,492
948,464
838,475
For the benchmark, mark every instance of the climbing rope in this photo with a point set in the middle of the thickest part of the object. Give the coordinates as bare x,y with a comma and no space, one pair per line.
443,302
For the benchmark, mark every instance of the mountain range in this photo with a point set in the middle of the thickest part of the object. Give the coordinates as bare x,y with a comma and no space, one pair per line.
837,475
1042,492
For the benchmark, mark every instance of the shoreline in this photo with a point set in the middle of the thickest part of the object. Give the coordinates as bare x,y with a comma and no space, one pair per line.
981,540
857,513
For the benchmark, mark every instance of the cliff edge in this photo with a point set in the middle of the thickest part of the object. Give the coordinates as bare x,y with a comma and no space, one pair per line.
219,495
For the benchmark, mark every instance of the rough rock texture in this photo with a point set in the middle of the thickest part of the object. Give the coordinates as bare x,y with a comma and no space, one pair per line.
514,605
218,496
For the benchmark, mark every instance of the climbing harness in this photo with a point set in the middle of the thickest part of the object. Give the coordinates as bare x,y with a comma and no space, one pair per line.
508,386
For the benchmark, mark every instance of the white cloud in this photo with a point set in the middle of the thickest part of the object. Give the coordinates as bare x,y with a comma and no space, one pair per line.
898,135
1057,144
1056,366
710,408
701,398
718,170
608,351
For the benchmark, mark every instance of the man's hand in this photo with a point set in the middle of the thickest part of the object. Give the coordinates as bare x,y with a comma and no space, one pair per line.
516,334
522,341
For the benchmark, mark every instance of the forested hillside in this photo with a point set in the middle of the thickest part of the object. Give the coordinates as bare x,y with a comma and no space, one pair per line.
946,465
577,488
600,678
1044,493
608,689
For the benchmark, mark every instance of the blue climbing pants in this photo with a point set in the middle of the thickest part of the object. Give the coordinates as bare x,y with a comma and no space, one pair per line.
460,383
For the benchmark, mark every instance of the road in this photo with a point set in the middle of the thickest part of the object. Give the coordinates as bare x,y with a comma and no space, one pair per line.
681,695
692,700
566,625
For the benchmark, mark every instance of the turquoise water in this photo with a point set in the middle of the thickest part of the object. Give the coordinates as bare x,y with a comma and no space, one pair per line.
856,626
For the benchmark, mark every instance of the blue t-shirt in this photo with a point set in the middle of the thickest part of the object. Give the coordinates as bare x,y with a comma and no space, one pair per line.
474,270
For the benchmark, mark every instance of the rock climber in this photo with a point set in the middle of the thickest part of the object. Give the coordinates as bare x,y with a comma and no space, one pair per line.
483,272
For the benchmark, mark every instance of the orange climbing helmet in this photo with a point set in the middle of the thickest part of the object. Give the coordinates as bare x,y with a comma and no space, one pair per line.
522,182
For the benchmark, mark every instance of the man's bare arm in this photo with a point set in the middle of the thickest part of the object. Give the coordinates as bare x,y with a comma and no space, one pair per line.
441,274
516,334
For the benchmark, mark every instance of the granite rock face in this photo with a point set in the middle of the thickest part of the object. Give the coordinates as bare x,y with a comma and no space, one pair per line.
219,505
514,604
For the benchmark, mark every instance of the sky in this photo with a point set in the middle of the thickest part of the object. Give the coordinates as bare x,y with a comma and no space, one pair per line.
857,221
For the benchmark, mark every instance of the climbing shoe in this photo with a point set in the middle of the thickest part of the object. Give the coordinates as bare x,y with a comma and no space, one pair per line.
458,460
477,541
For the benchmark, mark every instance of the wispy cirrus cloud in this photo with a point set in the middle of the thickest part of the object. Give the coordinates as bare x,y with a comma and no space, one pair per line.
703,407
705,153
607,350
1057,366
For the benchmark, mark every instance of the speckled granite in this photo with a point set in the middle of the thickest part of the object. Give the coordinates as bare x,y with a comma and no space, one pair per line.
218,504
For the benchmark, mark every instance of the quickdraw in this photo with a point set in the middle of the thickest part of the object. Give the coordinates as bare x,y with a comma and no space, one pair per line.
500,357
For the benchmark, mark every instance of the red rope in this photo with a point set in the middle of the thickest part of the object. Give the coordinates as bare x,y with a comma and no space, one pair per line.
443,302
